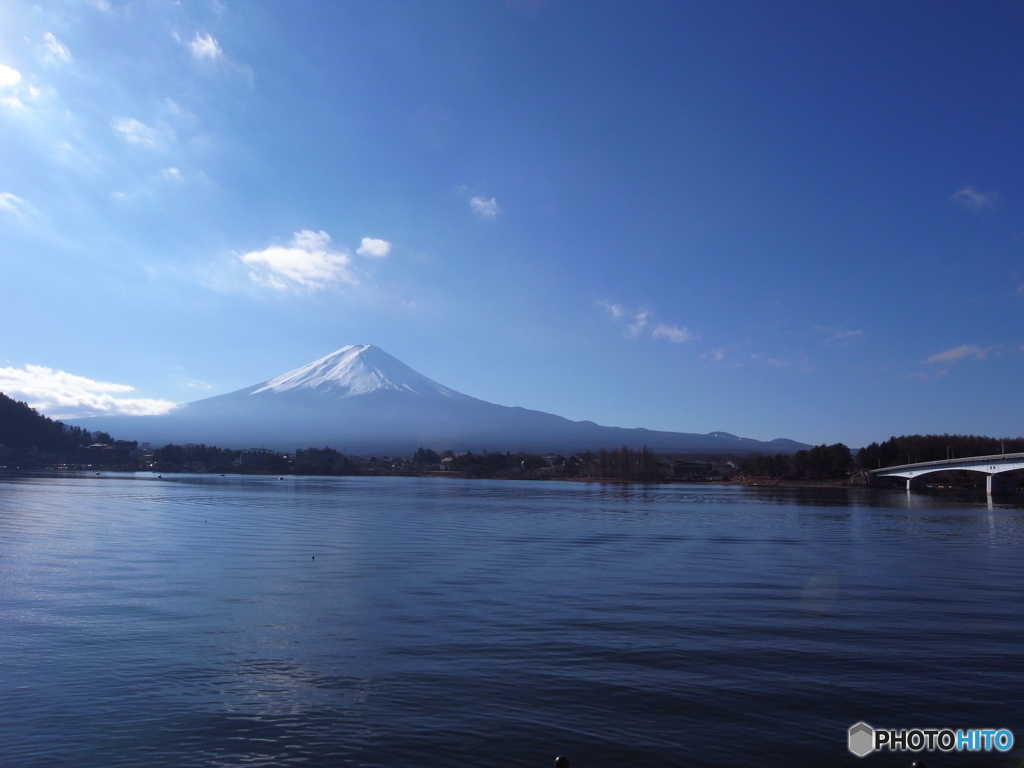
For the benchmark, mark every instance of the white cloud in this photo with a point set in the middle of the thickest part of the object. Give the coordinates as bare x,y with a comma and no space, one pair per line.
372,247
673,333
62,395
171,174
307,263
639,320
485,209
9,76
13,88
12,205
960,353
205,47
974,200
136,132
56,52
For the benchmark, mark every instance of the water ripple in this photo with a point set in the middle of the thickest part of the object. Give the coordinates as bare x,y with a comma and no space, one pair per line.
251,621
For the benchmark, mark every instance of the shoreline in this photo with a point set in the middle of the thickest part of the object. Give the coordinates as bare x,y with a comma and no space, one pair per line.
747,482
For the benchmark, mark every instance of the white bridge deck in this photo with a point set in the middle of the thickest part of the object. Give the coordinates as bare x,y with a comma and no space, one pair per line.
988,465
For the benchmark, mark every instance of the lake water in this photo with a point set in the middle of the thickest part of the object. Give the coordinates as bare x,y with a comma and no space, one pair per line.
252,621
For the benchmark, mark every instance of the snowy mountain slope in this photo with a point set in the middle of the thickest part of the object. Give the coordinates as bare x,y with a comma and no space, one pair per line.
358,369
362,400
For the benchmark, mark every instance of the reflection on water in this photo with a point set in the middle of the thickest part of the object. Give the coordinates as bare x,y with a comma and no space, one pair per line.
209,621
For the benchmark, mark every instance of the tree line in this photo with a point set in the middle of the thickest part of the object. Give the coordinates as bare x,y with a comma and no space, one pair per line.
622,463
911,449
823,462
173,457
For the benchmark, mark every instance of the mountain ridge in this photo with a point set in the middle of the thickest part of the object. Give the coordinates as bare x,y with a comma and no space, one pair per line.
361,399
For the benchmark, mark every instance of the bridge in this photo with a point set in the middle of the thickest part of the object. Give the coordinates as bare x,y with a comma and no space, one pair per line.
996,467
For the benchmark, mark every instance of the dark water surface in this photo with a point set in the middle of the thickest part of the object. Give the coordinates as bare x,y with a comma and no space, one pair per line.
185,622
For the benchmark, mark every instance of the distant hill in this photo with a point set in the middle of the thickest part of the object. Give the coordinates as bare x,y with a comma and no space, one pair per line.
362,400
23,427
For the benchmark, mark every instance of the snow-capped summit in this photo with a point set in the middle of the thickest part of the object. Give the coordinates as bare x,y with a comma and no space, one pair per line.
358,369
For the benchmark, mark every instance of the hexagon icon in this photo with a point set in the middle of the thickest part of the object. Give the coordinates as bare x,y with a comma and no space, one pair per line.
861,739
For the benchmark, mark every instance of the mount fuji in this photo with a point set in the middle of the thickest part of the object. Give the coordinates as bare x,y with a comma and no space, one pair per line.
360,399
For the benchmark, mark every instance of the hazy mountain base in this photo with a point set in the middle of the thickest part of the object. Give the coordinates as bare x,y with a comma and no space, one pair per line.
398,423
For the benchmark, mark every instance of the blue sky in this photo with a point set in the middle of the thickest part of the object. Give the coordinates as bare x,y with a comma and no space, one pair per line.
793,219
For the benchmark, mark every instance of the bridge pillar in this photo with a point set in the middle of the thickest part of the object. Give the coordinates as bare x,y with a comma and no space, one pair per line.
915,483
1000,484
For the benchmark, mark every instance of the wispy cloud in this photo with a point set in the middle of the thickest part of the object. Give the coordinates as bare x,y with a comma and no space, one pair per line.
307,263
205,48
616,311
62,395
638,321
771,360
799,361
942,360
836,335
963,352
715,355
973,200
136,132
485,209
635,320
927,375
54,52
12,205
373,248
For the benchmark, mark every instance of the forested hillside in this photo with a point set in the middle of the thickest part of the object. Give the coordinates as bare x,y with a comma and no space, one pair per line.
24,427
